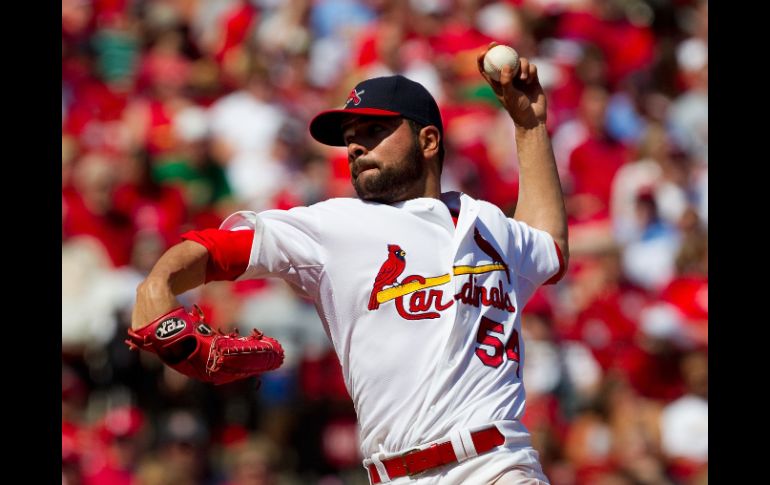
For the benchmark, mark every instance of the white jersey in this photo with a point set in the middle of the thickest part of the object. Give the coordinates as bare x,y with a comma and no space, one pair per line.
424,316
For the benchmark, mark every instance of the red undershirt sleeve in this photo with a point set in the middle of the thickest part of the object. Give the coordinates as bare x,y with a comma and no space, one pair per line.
562,268
229,252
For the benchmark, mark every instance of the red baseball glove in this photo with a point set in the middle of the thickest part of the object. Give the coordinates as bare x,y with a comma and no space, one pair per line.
184,342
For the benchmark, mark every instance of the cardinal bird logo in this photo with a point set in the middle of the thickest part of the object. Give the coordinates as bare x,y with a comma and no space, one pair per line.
391,269
485,246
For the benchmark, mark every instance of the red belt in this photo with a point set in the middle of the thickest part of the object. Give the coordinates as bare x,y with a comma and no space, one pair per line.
437,454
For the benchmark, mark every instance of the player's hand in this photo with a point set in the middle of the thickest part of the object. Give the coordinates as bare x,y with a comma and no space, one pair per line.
522,96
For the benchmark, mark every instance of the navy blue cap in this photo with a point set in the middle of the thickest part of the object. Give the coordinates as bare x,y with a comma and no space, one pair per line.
379,96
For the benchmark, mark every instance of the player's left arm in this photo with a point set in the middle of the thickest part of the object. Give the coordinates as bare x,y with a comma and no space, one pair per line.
541,202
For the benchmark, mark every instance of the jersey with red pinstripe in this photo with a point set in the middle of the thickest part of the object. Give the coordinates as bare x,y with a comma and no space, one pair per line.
441,349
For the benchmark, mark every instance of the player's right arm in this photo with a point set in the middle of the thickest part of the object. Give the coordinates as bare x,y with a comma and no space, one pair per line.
274,243
203,256
181,268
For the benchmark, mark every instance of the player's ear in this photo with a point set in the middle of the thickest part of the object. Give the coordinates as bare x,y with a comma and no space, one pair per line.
430,141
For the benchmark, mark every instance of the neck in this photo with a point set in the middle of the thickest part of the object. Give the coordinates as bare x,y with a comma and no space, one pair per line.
429,186
432,182
434,191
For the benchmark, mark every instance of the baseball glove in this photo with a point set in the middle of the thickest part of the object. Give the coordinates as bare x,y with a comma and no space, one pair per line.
186,343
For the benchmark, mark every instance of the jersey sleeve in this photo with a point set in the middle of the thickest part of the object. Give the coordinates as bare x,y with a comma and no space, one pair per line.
539,259
286,244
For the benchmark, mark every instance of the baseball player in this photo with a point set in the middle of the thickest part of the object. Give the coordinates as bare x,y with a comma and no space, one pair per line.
420,291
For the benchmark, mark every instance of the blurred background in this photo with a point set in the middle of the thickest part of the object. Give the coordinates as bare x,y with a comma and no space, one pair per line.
176,113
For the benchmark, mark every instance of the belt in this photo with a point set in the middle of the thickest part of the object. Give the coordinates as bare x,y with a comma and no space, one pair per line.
436,455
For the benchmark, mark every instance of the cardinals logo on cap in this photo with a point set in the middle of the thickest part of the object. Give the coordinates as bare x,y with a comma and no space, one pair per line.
354,97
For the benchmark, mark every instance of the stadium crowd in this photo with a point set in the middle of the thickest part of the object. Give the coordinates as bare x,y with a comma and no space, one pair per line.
176,113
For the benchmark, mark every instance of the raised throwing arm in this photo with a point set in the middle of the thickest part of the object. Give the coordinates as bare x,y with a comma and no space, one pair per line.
541,202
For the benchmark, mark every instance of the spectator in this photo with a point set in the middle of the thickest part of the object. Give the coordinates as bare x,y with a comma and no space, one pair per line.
251,463
654,172
183,443
88,207
122,438
684,422
245,125
149,205
649,260
593,163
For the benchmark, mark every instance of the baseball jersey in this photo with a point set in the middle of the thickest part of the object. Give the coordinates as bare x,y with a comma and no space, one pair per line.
424,316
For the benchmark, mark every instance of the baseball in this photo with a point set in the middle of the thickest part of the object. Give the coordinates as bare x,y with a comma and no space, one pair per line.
499,56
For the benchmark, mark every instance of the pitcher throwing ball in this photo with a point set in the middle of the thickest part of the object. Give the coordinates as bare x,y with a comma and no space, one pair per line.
419,290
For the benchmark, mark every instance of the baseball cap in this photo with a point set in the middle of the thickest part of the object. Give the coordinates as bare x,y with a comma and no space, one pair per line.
379,96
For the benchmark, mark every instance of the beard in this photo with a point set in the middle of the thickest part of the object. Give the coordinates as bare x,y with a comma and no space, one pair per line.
391,184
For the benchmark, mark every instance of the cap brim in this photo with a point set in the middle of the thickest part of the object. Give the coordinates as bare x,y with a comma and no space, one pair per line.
326,127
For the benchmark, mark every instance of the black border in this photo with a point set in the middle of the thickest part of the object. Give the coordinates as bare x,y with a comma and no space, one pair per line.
31,188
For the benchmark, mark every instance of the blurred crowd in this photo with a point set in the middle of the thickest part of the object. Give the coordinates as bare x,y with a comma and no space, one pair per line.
176,113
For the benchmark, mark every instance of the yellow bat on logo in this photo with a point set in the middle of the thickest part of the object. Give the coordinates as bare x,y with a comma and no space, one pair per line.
486,268
401,290
395,291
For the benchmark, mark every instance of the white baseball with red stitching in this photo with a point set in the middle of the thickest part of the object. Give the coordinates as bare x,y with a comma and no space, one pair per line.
499,56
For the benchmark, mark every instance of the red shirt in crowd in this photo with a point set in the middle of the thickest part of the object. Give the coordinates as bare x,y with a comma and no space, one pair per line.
627,47
608,326
162,210
113,229
236,25
593,165
95,115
